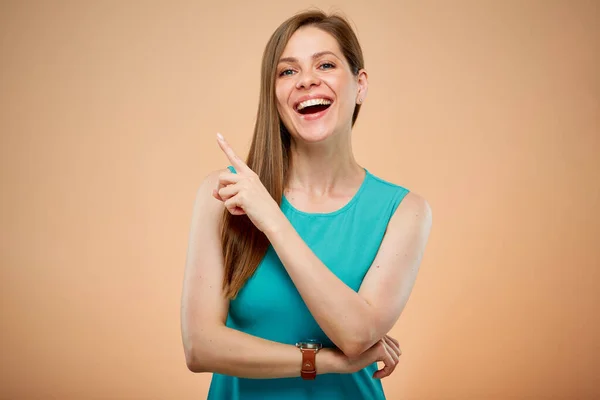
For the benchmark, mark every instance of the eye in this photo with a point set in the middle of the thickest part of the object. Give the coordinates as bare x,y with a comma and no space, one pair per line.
327,66
286,72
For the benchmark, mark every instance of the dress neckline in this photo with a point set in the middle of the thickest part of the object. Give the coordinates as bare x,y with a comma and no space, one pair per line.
285,202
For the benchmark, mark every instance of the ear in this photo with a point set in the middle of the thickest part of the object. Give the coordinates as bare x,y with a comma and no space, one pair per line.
363,86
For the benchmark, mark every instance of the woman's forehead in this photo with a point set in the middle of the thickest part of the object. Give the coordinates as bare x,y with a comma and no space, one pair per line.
308,41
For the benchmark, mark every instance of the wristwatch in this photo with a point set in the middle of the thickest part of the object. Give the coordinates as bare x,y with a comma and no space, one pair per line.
309,350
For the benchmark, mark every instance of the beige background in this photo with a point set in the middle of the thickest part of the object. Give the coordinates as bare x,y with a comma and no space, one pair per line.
108,113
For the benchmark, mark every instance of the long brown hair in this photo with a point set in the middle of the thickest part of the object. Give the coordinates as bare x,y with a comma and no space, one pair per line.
244,246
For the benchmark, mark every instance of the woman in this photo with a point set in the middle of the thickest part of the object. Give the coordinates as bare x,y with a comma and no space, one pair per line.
300,261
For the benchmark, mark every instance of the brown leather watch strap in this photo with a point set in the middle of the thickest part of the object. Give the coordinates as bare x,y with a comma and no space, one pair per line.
309,369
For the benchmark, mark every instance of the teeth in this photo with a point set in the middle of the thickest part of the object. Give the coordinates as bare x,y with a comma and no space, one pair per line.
312,102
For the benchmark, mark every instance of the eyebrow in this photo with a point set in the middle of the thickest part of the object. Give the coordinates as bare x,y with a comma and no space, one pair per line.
314,57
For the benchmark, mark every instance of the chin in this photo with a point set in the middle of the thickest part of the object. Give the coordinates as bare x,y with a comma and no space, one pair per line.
313,131
313,135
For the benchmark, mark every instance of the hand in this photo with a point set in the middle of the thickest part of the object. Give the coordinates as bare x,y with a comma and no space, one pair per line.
387,350
244,193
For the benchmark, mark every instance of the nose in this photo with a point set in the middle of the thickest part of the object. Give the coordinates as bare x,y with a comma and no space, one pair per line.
307,79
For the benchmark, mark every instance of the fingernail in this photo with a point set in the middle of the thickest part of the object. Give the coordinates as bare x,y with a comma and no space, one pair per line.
219,136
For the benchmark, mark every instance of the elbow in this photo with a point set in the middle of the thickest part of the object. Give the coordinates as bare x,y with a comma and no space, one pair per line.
195,359
192,363
196,368
354,347
199,350
191,360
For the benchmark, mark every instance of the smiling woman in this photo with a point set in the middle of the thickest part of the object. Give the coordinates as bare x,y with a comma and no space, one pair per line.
300,261
319,85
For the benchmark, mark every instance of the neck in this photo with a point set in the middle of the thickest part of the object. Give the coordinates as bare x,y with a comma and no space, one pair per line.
316,168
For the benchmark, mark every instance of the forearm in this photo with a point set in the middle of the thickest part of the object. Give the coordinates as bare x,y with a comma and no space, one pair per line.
341,313
228,351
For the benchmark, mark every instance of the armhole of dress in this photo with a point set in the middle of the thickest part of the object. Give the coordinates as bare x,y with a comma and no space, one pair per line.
400,195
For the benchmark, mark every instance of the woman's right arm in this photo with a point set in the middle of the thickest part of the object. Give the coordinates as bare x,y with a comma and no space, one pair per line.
209,345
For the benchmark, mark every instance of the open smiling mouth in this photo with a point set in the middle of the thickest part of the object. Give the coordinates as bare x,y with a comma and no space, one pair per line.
313,107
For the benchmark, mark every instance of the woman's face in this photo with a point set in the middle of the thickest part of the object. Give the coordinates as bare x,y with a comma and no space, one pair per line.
315,88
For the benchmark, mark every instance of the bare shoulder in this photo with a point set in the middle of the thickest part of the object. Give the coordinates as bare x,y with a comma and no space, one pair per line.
208,210
413,211
210,181
415,203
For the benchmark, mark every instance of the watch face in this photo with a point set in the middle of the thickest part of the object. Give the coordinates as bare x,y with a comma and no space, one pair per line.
309,344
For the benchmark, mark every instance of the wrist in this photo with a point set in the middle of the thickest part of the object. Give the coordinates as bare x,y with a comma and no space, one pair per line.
277,227
329,361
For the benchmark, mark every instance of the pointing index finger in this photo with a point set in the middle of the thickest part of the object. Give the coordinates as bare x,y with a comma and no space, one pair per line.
233,158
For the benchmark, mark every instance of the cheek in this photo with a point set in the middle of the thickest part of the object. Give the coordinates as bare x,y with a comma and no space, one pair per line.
282,94
344,89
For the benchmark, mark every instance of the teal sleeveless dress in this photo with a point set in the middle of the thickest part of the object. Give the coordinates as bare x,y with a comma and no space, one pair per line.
269,305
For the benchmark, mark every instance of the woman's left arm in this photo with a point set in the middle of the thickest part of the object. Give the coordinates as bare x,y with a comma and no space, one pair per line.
353,321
